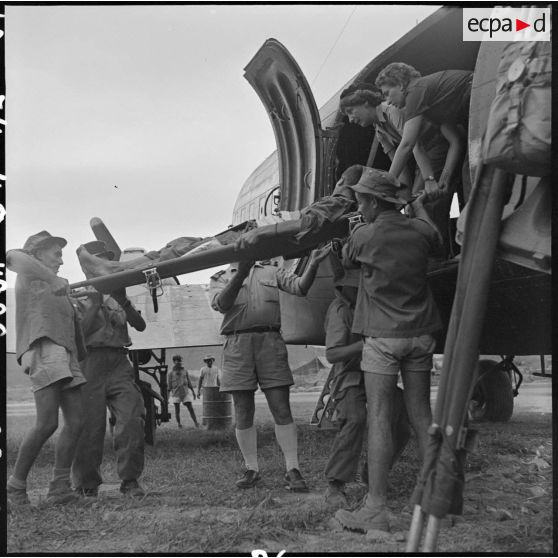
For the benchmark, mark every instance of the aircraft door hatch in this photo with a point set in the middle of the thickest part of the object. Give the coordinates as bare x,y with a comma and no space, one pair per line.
286,95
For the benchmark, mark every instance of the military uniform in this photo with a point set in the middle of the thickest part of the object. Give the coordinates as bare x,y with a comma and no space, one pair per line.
394,300
254,352
110,381
49,340
349,392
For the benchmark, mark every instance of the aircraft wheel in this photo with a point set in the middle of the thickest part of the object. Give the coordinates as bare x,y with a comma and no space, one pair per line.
492,398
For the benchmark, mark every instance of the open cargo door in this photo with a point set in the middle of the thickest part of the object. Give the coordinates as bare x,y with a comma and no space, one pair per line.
301,148
286,95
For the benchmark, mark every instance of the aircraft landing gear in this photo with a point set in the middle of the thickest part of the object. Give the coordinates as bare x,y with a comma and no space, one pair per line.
493,394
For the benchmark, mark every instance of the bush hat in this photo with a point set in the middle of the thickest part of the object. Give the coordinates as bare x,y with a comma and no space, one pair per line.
41,240
99,249
380,184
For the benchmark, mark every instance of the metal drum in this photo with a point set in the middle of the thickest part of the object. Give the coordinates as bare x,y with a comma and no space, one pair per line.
217,409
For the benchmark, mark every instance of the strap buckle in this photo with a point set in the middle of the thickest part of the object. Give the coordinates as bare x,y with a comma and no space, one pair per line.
154,284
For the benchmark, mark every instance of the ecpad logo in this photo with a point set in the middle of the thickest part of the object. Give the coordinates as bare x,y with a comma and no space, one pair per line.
506,24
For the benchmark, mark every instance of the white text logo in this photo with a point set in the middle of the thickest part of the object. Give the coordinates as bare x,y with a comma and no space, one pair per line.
506,24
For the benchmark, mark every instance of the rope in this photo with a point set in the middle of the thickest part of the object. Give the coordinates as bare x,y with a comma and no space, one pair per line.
333,46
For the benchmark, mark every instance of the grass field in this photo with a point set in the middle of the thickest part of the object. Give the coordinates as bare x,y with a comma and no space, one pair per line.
193,506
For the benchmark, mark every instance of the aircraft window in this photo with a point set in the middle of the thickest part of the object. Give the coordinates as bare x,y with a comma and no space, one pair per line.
270,204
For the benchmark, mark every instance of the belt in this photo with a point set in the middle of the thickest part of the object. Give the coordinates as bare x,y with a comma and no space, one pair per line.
122,350
257,329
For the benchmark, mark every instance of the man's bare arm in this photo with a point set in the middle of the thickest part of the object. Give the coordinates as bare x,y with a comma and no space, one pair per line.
226,298
22,262
307,278
411,133
133,316
342,354
421,213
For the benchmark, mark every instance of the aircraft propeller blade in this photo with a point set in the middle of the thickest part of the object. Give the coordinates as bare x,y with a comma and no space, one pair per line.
102,233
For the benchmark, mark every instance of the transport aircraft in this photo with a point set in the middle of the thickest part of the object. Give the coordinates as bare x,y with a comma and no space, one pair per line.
313,148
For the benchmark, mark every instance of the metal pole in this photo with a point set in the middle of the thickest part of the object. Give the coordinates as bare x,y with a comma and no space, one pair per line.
415,532
431,536
464,330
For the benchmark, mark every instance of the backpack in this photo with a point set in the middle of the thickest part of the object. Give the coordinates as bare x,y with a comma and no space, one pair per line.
518,133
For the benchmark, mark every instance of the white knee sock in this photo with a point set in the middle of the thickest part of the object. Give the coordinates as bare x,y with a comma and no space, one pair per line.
287,439
247,439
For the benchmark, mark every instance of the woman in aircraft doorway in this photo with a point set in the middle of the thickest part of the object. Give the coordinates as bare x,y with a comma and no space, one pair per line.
363,104
442,98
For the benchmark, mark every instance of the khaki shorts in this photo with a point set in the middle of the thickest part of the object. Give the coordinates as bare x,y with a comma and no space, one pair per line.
47,362
252,359
389,355
187,398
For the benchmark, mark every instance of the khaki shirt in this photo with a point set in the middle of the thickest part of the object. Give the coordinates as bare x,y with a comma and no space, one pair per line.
40,313
257,302
109,327
394,299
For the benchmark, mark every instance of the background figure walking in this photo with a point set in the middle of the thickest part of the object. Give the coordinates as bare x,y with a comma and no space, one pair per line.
181,390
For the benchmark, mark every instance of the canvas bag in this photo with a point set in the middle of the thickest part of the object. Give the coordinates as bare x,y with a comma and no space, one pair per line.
518,133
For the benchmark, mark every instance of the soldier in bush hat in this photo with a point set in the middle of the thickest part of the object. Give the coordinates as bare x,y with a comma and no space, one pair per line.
110,383
396,316
49,345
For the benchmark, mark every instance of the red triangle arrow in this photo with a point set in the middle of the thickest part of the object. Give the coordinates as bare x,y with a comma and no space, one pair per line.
519,25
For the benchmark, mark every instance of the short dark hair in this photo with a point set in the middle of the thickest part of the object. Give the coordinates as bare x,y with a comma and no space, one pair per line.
397,73
358,94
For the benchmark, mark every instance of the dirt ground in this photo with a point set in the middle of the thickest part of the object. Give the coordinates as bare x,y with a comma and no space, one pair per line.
193,507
